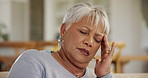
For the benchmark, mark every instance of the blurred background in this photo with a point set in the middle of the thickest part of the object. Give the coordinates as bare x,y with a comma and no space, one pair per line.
40,20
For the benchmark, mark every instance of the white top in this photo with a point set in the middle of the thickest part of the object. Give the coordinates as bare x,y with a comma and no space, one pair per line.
40,64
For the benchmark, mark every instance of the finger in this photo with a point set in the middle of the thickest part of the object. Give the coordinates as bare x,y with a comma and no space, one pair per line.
106,63
104,45
110,52
106,42
98,62
112,49
109,57
104,56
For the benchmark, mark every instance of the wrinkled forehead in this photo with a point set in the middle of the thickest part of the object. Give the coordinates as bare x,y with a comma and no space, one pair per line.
93,22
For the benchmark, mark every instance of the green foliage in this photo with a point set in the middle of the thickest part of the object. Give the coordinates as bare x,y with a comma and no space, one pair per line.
4,36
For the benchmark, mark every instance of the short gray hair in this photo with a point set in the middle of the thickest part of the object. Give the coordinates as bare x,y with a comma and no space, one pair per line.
81,10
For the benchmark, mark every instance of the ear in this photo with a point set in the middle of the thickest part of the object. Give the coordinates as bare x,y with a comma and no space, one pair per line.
63,30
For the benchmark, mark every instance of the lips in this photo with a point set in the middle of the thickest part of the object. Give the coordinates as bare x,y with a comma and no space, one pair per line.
84,51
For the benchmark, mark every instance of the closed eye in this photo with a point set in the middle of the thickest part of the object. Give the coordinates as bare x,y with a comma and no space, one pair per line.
98,41
83,32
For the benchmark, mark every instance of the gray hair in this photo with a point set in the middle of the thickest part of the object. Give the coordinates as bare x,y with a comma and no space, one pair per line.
81,10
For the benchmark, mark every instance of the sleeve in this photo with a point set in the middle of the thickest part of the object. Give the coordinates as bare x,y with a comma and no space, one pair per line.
110,75
26,66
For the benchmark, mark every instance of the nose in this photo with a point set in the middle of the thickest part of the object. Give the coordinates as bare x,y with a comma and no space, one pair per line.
89,41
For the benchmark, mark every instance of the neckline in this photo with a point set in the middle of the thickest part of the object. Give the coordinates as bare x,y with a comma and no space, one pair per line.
62,68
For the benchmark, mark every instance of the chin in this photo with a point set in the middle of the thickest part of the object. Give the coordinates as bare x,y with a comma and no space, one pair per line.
82,66
83,60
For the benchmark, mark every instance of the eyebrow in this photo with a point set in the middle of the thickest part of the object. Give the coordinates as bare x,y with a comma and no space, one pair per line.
86,27
98,34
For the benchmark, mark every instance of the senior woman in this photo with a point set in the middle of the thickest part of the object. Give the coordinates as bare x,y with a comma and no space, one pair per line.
82,33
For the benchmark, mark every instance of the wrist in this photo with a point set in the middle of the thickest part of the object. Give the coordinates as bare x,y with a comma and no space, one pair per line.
101,76
109,75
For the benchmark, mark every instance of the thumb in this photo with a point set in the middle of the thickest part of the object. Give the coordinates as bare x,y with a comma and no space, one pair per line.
97,62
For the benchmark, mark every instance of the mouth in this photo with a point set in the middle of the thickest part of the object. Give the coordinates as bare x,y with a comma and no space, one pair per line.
84,51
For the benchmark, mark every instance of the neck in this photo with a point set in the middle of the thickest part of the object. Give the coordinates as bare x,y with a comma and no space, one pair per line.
70,66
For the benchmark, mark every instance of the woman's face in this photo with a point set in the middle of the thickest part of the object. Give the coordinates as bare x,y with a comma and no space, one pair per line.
81,41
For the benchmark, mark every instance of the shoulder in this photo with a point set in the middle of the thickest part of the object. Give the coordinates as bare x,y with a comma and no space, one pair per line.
34,58
34,54
28,62
30,52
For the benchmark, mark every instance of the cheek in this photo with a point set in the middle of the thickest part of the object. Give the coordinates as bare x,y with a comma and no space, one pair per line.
96,48
72,39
